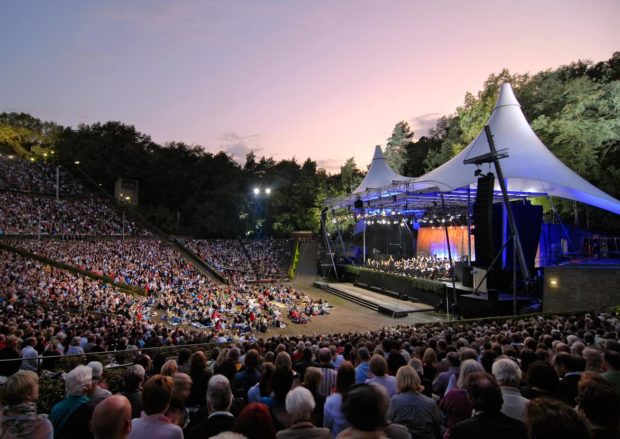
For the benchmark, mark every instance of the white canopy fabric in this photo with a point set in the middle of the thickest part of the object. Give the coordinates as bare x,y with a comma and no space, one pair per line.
530,167
379,174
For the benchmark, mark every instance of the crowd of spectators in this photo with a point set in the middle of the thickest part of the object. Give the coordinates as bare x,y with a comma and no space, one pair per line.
178,293
149,264
245,260
268,257
532,377
38,177
427,267
30,214
226,256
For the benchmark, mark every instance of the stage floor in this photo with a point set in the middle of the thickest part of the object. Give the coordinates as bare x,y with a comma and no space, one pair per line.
382,301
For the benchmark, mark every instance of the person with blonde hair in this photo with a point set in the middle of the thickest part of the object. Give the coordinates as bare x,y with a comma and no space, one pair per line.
409,407
169,368
19,418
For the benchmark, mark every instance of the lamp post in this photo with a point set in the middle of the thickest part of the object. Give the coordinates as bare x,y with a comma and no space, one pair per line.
260,197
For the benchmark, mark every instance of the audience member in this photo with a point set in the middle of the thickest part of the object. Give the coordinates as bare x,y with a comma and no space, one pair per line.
19,418
112,418
153,424
488,420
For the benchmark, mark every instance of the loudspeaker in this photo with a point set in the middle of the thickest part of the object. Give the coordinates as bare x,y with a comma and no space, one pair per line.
468,277
483,221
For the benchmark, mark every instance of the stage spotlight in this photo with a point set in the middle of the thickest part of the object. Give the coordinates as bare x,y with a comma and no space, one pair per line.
268,191
256,191
478,172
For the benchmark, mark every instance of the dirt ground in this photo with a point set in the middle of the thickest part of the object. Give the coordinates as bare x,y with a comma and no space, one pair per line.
345,316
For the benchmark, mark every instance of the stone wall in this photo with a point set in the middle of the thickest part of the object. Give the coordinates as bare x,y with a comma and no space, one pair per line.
572,288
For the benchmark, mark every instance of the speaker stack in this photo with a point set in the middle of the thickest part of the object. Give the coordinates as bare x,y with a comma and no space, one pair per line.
483,221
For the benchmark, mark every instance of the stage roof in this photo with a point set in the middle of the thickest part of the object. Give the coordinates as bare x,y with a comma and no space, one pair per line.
530,169
380,174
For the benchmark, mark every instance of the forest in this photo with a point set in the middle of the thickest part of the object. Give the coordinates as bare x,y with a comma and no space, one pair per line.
186,190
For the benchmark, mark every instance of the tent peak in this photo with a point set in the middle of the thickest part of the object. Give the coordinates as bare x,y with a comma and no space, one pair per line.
506,97
378,155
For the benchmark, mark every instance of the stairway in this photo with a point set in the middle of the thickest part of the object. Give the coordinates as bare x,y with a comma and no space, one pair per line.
365,303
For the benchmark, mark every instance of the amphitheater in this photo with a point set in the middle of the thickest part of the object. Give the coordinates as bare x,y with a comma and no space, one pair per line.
87,279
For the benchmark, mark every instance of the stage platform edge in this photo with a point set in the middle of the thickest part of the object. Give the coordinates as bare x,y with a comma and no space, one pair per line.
375,301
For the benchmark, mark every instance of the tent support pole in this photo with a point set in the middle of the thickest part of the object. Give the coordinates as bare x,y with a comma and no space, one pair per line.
511,218
445,226
469,226
514,279
326,240
364,243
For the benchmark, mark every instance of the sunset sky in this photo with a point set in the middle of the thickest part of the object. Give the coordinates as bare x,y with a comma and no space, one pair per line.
325,79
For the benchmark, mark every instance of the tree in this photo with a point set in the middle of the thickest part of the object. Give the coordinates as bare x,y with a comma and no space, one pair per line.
397,144
350,176
470,118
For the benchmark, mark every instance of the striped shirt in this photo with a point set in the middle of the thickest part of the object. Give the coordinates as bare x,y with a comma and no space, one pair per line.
328,381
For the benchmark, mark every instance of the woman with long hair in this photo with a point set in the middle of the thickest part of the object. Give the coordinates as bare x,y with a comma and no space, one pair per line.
333,416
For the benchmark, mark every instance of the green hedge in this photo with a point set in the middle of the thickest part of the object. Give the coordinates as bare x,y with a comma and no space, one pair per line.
292,271
415,282
26,254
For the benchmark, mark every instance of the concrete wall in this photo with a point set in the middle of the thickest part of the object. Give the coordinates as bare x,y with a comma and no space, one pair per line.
572,288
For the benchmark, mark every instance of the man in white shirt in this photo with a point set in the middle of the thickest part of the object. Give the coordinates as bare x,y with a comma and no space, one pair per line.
29,356
508,375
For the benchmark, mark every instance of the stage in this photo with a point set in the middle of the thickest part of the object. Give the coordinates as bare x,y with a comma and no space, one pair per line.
376,301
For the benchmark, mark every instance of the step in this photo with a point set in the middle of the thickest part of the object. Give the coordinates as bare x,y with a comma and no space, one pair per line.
346,296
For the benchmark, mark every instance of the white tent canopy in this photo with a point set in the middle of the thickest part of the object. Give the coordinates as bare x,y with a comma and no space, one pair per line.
379,174
530,167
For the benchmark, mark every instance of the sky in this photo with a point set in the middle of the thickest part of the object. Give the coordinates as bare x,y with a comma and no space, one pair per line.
325,79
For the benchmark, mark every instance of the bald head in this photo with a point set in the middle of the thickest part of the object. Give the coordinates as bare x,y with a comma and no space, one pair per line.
112,418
